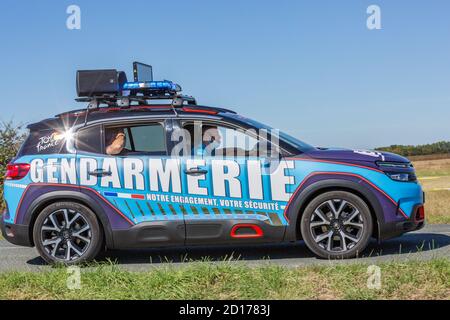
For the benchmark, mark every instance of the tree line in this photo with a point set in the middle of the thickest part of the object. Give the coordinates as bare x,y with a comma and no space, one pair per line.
441,147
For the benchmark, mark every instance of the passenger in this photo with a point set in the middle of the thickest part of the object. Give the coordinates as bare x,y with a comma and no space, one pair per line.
115,142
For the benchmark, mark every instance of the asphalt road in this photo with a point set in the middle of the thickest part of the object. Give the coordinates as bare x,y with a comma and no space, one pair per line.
430,242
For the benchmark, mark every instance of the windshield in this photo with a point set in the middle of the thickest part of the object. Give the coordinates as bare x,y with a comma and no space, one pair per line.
294,142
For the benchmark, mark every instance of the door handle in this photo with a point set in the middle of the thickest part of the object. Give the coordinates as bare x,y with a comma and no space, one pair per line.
196,171
100,173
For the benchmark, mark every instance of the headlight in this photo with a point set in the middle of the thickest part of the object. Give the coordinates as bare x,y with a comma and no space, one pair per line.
407,173
402,177
393,165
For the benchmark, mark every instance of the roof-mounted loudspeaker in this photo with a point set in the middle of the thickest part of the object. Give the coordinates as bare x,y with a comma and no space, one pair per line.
94,83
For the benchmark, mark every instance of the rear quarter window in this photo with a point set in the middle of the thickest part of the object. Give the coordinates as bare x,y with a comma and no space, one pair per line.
89,140
43,142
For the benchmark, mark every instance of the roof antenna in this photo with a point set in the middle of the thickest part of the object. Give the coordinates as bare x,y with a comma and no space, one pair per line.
93,104
177,102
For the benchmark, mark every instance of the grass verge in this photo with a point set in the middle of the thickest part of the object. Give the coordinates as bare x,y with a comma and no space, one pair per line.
411,280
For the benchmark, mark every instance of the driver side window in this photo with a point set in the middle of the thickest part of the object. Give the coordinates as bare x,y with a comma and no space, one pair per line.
218,140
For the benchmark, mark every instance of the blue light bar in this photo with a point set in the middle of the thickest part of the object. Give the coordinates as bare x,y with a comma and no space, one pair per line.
152,85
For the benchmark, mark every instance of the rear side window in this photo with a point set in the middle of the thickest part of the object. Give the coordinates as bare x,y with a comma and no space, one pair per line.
44,142
146,139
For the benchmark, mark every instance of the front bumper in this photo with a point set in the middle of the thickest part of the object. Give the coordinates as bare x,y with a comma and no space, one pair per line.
395,229
16,234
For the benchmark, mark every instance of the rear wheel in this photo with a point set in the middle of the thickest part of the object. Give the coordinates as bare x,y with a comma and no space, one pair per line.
337,225
68,233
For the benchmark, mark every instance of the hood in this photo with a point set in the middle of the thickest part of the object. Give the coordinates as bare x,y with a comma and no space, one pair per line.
355,155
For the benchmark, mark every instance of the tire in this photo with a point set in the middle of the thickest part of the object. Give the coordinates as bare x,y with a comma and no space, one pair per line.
67,233
337,225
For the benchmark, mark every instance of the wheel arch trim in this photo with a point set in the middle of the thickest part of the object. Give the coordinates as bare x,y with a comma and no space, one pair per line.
43,201
303,196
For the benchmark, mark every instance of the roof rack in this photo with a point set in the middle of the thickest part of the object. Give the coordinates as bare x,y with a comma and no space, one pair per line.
125,101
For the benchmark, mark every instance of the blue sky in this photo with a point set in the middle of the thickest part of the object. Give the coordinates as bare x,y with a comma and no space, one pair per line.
311,68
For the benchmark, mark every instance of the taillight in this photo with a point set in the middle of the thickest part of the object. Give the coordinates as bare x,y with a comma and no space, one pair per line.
17,171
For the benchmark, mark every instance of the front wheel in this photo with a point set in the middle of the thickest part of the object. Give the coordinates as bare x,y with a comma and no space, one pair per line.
67,233
337,225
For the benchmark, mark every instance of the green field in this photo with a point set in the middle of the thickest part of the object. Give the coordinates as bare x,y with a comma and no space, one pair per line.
413,280
432,167
434,176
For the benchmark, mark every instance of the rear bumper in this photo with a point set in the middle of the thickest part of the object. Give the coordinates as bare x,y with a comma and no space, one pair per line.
16,234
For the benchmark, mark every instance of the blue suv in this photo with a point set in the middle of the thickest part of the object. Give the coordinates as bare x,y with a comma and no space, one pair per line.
128,173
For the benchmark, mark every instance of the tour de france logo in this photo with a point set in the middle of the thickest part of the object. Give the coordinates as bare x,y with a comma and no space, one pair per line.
50,141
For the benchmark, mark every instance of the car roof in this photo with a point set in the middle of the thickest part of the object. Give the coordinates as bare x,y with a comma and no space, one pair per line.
81,116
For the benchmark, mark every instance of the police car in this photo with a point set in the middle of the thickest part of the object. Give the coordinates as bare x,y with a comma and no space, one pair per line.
145,166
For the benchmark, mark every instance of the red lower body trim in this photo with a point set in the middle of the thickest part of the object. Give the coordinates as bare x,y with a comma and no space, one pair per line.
258,233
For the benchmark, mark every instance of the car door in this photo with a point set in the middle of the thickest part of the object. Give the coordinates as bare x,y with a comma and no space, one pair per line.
230,186
138,181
